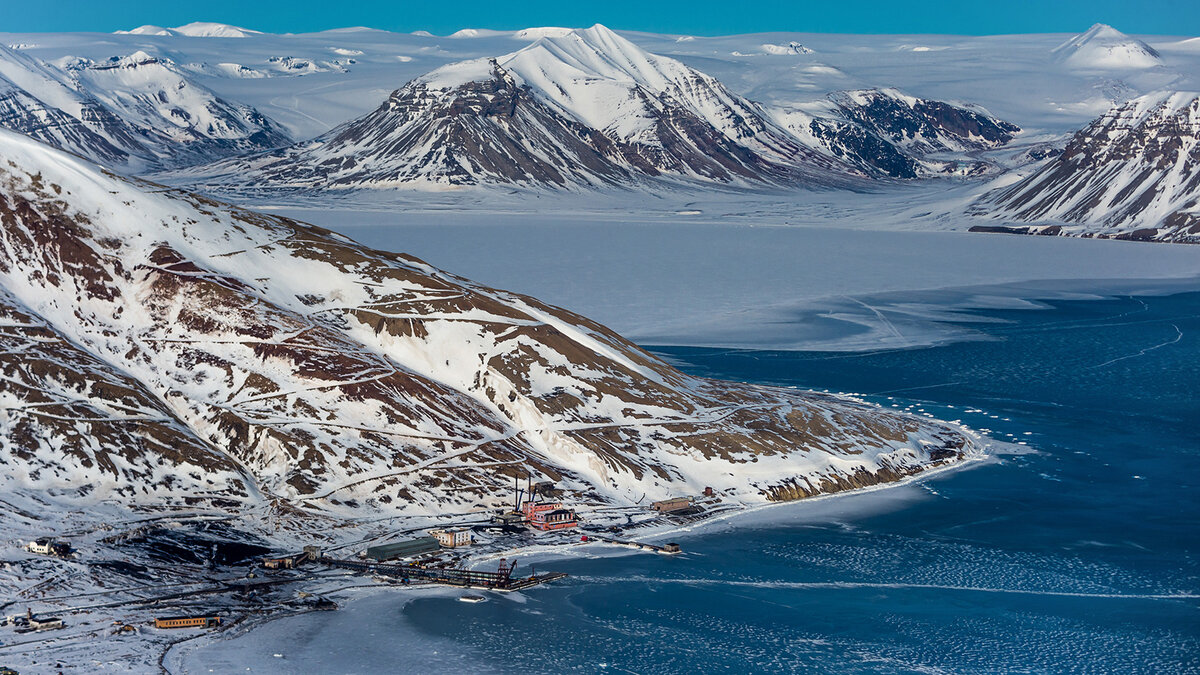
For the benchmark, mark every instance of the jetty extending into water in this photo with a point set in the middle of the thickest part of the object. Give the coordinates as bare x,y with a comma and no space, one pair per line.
500,580
665,549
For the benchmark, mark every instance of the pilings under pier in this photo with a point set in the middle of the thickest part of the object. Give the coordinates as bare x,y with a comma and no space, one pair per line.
501,580
665,549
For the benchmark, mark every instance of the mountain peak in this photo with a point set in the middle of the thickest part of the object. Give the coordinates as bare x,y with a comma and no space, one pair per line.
148,29
1102,30
599,29
591,53
1105,47
559,59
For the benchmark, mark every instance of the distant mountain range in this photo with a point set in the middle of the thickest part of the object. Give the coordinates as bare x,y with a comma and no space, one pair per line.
590,108
586,109
194,29
133,113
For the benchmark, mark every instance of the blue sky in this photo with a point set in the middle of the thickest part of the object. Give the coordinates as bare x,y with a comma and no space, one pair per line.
699,17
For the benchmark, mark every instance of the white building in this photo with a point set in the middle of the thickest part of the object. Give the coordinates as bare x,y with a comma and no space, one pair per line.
41,546
45,622
47,546
452,538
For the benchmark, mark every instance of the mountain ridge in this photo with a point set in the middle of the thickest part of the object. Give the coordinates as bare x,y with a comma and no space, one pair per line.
589,108
308,368
1133,173
132,112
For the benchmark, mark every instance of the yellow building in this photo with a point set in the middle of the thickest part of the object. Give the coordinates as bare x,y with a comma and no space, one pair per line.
452,538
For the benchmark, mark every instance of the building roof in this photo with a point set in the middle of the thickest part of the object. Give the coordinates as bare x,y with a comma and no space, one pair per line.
406,547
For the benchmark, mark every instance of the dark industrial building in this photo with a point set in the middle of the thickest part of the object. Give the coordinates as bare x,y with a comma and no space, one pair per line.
403,549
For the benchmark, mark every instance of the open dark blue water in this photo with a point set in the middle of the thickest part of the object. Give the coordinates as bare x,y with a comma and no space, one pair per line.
1070,559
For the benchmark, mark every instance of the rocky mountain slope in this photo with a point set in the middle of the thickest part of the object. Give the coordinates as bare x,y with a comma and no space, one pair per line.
132,112
888,133
22,112
589,108
1134,173
162,346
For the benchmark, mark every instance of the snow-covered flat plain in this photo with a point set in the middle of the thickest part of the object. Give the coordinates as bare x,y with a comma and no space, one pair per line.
828,273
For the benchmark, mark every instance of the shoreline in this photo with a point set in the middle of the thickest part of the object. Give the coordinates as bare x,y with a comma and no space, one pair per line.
980,449
548,553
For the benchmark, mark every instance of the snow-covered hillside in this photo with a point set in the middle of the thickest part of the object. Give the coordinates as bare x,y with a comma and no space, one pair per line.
1133,173
22,112
130,112
212,352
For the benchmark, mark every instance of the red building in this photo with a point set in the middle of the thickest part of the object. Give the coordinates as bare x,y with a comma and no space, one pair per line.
548,515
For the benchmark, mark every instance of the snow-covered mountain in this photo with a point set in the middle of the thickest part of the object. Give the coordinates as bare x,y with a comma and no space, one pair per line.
1103,47
921,127
1132,173
22,112
131,112
194,29
887,132
585,108
158,343
588,107
792,48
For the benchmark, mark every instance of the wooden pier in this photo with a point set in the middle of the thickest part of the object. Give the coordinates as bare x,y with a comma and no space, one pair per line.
666,549
500,580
